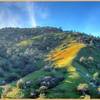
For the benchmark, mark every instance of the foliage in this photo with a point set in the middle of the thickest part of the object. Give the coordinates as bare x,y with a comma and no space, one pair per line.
25,51
82,87
20,84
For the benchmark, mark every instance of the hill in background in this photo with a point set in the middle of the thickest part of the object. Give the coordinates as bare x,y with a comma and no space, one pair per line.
47,62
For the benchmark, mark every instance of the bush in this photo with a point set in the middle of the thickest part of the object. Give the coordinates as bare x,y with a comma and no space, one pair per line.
82,59
20,84
34,94
42,95
90,59
83,88
96,76
43,89
98,90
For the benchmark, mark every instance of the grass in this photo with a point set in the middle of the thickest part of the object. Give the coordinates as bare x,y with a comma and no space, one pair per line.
27,42
64,58
15,93
33,77
72,78
77,73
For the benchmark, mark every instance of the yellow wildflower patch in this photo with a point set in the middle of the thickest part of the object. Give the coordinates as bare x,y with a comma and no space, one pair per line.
63,58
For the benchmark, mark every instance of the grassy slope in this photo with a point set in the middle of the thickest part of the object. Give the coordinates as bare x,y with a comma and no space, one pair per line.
76,72
64,57
33,77
72,77
27,42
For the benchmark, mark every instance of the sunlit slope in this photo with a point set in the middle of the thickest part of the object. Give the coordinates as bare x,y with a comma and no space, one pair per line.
33,54
76,73
64,57
28,42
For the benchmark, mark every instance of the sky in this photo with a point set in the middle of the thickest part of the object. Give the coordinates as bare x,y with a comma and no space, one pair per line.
77,16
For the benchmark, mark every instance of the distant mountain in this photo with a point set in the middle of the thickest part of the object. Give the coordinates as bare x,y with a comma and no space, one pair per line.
47,62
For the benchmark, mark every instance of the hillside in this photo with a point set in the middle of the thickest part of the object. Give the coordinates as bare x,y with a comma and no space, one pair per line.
47,62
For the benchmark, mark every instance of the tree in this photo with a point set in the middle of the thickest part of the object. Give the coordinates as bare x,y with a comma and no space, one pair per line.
96,76
42,90
20,83
91,43
82,59
83,88
90,59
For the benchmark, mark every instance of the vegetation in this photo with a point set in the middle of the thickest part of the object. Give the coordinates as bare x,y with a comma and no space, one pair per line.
47,62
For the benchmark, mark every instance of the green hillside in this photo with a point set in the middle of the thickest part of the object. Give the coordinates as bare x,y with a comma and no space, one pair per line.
47,62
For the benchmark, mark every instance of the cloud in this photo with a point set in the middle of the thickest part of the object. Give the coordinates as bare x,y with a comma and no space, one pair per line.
22,14
13,15
7,20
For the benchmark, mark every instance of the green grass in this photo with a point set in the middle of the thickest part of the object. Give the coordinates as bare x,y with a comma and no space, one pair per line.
28,42
67,88
33,77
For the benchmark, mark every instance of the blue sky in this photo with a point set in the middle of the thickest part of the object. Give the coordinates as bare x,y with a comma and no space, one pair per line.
78,16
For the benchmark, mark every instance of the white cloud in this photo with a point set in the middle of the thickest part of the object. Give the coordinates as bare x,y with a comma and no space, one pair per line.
9,17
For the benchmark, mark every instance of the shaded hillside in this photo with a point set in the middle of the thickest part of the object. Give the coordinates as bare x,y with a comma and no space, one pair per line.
47,62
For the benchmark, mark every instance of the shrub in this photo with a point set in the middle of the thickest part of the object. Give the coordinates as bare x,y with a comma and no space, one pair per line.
43,89
47,68
90,59
82,59
96,76
42,95
87,97
98,90
83,88
20,83
34,94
